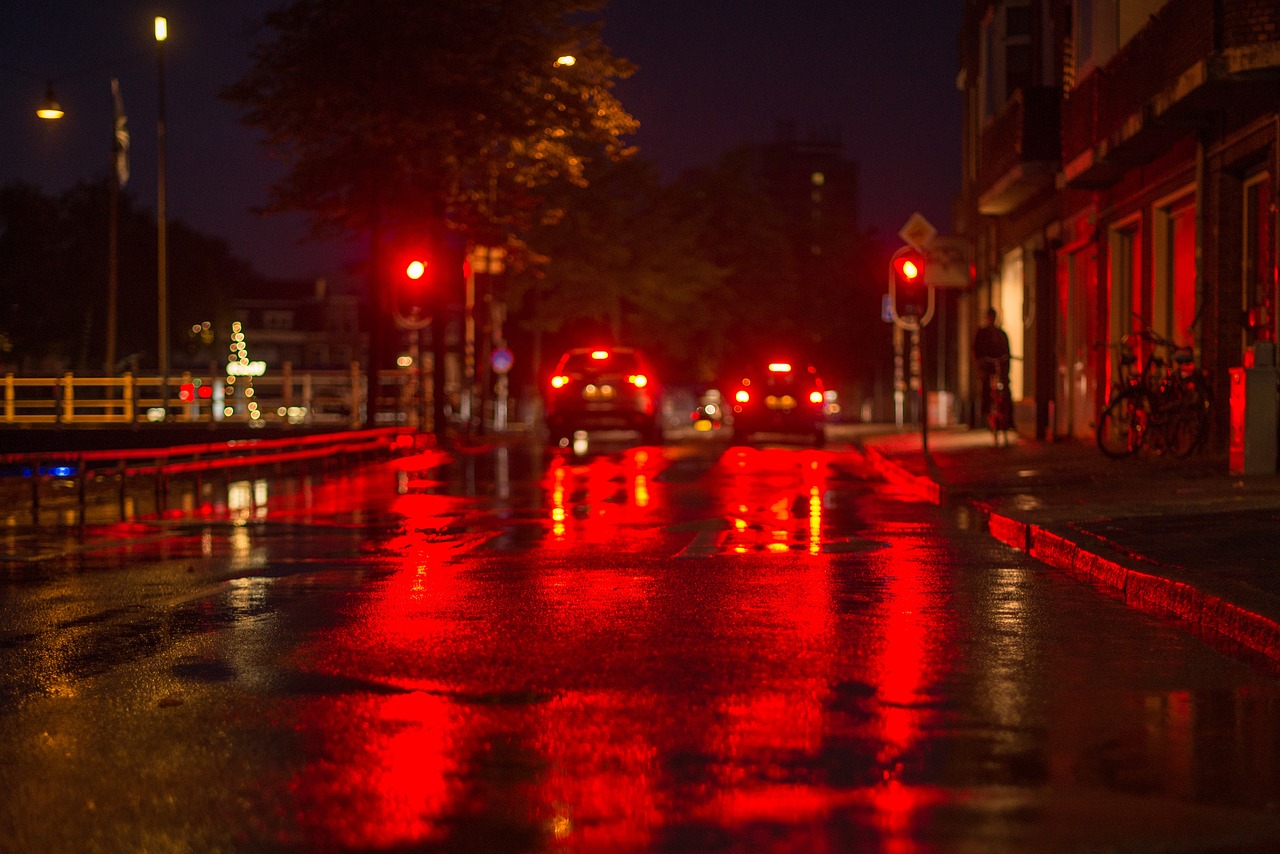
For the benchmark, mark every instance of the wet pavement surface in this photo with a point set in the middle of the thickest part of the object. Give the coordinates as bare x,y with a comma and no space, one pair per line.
699,647
1189,537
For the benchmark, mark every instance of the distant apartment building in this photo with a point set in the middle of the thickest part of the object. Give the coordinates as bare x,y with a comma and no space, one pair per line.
815,186
302,323
1120,165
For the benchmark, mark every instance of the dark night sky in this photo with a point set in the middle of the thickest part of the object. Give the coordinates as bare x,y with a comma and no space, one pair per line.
712,74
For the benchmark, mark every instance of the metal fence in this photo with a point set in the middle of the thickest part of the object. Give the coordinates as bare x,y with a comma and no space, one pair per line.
321,398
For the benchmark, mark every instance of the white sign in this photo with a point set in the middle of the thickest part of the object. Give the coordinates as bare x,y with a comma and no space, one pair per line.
246,369
948,263
918,231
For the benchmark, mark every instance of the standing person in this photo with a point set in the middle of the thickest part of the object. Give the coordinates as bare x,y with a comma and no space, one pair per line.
991,351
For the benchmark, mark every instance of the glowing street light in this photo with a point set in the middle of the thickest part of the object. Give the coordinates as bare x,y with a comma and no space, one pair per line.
49,109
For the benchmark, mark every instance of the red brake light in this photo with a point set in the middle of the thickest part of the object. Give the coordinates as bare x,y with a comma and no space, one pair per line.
742,396
599,355
815,397
780,367
638,380
559,381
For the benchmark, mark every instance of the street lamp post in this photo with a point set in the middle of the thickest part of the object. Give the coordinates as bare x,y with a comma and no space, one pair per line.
162,261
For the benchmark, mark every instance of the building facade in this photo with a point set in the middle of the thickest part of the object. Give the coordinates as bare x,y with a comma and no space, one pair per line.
1120,164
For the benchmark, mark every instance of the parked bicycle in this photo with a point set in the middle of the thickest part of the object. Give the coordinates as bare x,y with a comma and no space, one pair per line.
1161,402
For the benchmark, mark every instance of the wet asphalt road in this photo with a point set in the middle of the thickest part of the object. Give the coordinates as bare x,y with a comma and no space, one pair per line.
690,648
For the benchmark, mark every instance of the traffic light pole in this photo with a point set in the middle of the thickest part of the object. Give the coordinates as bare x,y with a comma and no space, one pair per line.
907,265
917,358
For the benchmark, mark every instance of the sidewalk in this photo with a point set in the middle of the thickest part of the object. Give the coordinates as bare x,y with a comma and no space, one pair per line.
1181,538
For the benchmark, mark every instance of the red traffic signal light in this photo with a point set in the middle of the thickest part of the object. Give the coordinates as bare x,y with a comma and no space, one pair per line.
910,297
908,268
413,287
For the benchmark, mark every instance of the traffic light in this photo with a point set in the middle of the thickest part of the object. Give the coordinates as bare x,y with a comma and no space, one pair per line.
909,269
911,300
413,284
426,277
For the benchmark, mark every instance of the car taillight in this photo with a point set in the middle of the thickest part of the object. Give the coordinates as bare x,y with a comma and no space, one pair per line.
559,381
638,380
815,397
780,367
742,395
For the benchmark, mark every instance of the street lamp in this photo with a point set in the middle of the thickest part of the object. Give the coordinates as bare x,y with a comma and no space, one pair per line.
49,108
162,262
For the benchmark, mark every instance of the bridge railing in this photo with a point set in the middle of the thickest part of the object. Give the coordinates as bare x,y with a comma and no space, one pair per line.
332,397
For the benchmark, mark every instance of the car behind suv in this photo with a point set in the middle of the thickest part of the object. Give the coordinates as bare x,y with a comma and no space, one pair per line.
780,397
603,388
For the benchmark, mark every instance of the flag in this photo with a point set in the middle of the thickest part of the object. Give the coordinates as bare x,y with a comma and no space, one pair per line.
121,147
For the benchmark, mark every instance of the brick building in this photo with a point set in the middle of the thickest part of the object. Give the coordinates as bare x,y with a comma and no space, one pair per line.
1120,165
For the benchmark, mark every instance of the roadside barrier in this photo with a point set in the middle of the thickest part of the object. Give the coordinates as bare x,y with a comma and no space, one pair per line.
81,468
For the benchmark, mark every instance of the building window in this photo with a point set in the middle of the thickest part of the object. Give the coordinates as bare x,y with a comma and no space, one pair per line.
1007,61
1101,27
1010,299
1127,313
1259,285
277,319
1019,68
1174,303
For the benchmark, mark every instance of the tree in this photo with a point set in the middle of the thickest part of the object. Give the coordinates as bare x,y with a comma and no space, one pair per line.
621,264
399,112
742,231
53,279
399,118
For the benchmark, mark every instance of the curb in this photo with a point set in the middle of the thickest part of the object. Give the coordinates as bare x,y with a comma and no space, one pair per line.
1226,625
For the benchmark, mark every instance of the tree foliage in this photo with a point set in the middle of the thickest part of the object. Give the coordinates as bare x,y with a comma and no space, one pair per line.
621,265
791,284
392,113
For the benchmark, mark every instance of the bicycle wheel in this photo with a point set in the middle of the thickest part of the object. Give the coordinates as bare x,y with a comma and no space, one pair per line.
999,412
1185,433
1122,427
1197,399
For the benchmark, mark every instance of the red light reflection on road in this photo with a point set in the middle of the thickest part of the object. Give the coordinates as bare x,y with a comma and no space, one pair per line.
385,762
381,769
593,501
911,659
603,789
772,499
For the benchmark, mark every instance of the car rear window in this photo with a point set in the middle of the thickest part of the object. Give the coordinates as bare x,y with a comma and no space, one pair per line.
583,363
786,379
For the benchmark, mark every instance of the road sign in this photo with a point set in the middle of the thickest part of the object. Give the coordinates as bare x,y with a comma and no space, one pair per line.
501,360
918,231
948,266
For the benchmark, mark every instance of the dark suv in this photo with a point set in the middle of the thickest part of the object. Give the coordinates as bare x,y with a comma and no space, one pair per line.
603,388
779,397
